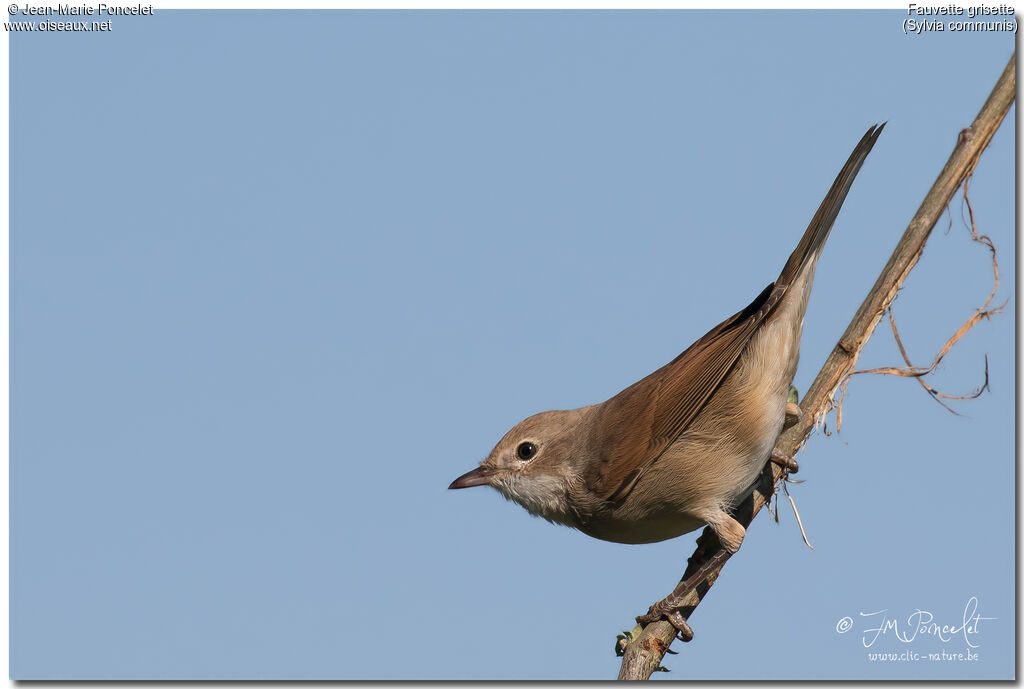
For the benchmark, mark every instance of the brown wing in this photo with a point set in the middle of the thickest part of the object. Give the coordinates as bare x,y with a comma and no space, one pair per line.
640,422
645,418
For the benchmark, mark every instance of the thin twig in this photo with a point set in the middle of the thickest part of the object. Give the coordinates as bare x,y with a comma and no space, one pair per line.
919,372
796,513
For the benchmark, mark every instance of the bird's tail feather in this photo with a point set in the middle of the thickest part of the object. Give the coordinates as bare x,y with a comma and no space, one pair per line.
821,224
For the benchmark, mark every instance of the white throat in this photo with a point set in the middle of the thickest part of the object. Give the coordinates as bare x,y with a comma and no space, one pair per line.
542,496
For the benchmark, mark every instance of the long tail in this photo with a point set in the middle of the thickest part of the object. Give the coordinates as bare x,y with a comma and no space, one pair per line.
821,224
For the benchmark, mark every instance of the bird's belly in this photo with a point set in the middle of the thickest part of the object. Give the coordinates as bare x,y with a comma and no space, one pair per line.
653,528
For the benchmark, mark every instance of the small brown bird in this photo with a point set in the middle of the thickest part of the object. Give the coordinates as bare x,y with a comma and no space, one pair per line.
682,447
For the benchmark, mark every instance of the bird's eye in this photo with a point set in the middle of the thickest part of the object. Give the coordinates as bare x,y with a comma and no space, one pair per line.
526,451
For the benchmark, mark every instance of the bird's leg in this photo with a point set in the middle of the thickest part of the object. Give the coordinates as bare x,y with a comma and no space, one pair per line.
730,534
729,531
672,605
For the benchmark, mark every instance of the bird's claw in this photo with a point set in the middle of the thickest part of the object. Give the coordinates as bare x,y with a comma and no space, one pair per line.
669,610
785,461
675,618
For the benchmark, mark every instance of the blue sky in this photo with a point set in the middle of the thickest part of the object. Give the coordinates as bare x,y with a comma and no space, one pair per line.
278,277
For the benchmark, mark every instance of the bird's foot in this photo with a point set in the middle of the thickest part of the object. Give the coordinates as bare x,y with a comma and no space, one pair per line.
785,461
670,611
672,607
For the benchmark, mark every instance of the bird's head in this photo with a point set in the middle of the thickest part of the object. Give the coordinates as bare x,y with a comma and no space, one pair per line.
533,464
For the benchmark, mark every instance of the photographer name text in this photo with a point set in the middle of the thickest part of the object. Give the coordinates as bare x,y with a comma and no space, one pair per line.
70,10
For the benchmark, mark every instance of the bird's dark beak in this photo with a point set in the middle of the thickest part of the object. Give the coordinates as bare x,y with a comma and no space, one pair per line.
478,477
